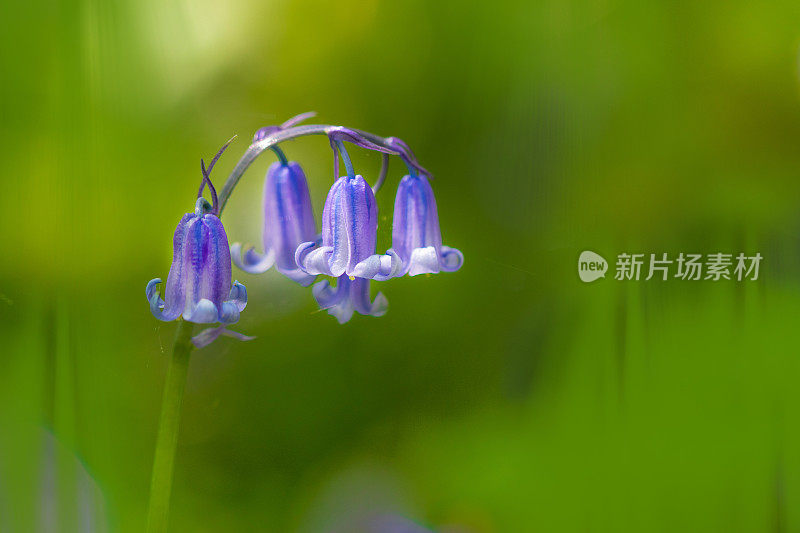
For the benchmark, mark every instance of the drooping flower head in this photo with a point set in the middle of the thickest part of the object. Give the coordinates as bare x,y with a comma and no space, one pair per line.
349,234
288,222
199,284
344,249
416,236
347,249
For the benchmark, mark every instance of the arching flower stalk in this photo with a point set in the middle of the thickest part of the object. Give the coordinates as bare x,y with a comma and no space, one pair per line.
199,287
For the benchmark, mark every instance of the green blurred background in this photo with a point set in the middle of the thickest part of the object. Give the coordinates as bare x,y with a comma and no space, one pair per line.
507,397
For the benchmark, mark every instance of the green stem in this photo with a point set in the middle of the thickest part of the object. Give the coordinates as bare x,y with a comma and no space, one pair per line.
167,439
280,154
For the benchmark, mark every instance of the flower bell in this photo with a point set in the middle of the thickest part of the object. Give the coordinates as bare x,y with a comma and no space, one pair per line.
349,234
288,222
416,237
199,281
199,284
349,295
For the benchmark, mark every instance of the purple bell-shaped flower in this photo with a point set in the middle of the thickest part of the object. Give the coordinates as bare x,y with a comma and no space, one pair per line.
199,284
416,237
349,234
288,222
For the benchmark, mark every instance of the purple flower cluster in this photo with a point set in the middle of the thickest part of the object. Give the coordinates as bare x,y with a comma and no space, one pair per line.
199,284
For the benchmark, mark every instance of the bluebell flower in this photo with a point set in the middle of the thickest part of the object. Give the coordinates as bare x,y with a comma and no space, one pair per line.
199,284
416,237
350,295
349,234
288,222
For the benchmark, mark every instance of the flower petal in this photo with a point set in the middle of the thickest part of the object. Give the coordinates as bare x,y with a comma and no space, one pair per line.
367,268
179,273
452,259
315,260
342,311
252,261
326,295
298,276
238,296
229,313
379,305
205,312
215,263
157,304
183,282
335,300
348,297
391,266
151,289
423,261
359,295
379,267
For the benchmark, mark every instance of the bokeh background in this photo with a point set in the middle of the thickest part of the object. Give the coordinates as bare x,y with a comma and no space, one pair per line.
507,397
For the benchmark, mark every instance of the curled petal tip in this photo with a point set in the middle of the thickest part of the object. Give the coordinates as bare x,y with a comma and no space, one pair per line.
379,267
314,260
251,261
452,259
238,296
152,287
157,304
368,268
391,266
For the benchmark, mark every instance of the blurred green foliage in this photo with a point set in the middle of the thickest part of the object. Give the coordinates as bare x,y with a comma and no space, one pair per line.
506,397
